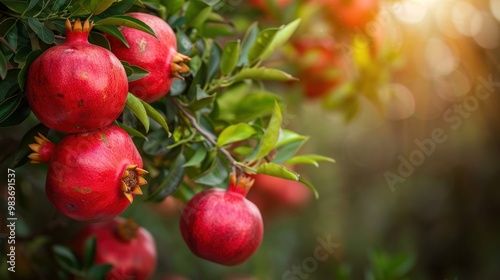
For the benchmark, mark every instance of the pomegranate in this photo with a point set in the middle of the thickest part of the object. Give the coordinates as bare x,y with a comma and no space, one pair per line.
320,68
274,196
76,86
222,226
129,248
92,176
351,14
158,56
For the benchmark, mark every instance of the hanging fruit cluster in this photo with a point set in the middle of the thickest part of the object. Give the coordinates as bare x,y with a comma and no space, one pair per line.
136,92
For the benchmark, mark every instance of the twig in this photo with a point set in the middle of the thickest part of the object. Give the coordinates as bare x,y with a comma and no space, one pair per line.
3,41
205,134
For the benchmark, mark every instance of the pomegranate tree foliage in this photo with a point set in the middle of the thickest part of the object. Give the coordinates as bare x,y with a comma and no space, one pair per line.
219,119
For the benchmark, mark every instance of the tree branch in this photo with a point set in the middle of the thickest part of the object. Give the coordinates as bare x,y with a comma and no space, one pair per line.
205,134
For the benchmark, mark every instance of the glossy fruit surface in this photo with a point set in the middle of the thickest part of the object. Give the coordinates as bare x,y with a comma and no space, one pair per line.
129,248
92,176
222,225
158,56
76,86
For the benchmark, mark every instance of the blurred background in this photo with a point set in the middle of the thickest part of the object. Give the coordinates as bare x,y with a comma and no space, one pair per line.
404,96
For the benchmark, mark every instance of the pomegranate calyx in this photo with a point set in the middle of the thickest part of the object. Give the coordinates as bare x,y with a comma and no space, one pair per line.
132,181
127,230
77,25
178,65
42,149
241,184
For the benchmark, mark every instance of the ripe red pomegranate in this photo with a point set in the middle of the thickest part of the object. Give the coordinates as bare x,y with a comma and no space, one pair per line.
350,14
274,196
158,56
222,226
320,68
129,248
76,86
92,176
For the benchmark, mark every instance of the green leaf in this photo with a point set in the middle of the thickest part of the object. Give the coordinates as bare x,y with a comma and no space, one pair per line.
9,105
131,130
214,175
32,4
44,33
279,39
98,272
96,38
20,114
308,159
155,115
23,151
235,133
197,158
276,170
288,150
135,105
22,54
173,6
261,44
230,56
113,31
134,72
310,186
89,250
21,78
214,60
288,136
9,83
213,30
99,6
158,143
3,66
17,6
197,13
271,135
66,259
263,73
123,20
170,182
248,41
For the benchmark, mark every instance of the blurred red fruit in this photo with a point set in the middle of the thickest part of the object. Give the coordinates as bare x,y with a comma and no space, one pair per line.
319,67
274,196
350,14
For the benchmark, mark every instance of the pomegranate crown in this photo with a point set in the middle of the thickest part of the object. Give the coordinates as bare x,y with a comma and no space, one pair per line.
178,65
42,149
127,230
132,181
76,26
241,184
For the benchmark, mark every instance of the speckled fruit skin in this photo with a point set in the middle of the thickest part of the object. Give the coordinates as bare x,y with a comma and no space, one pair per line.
76,86
222,226
133,258
84,174
149,53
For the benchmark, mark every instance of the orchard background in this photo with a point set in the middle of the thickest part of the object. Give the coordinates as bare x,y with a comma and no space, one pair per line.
402,94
